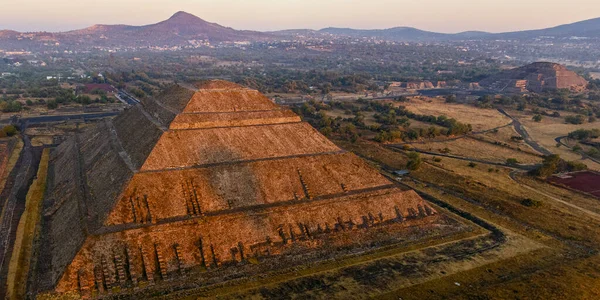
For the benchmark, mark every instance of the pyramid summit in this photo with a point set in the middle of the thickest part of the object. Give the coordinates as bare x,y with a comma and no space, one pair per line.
199,180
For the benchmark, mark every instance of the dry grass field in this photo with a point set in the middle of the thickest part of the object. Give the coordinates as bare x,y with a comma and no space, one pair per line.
10,163
504,135
479,150
480,119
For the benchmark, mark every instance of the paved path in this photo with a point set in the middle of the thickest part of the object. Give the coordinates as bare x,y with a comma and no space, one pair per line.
526,137
60,118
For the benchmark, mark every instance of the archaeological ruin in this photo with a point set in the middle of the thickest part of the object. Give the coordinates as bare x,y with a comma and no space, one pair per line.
204,178
536,77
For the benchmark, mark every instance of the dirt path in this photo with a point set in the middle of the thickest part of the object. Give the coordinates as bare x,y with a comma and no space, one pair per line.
526,137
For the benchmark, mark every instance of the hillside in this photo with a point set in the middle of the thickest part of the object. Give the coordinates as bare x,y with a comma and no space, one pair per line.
588,28
175,31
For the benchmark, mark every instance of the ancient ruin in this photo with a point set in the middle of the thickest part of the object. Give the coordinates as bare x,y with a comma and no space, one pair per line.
536,77
202,178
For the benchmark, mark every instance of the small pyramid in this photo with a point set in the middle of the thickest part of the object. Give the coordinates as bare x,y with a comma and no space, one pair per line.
202,176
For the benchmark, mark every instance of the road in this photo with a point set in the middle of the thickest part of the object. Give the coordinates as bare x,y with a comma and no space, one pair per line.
23,122
521,130
127,98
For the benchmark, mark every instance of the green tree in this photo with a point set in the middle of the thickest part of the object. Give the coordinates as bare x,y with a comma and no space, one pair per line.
414,161
52,104
549,166
451,99
512,161
537,118
9,130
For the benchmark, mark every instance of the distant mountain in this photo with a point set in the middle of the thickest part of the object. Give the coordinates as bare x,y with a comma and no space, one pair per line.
178,30
395,34
8,34
588,28
183,28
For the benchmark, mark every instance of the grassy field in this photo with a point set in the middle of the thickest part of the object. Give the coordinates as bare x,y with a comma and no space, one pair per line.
479,150
12,161
480,119
41,140
26,231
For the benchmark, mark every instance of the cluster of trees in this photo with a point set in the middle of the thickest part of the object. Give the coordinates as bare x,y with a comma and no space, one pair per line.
561,100
10,106
343,128
584,134
393,122
553,164
311,82
58,96
577,119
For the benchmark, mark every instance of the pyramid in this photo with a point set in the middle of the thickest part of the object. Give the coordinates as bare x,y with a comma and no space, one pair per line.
200,178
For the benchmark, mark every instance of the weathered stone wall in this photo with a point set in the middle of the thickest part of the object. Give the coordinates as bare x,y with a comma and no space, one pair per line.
197,191
63,219
200,120
210,101
175,97
212,241
168,104
187,148
137,134
106,173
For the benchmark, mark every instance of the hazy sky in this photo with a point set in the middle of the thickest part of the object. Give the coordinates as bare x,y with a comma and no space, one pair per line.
434,15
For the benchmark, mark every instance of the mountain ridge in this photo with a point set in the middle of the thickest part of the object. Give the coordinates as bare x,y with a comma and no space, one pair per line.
183,27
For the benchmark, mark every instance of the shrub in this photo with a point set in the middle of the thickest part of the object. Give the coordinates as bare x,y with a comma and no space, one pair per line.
9,130
578,119
414,161
52,104
512,161
472,165
445,150
531,203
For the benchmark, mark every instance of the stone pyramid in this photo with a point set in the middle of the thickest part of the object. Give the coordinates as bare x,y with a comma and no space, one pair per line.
201,178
